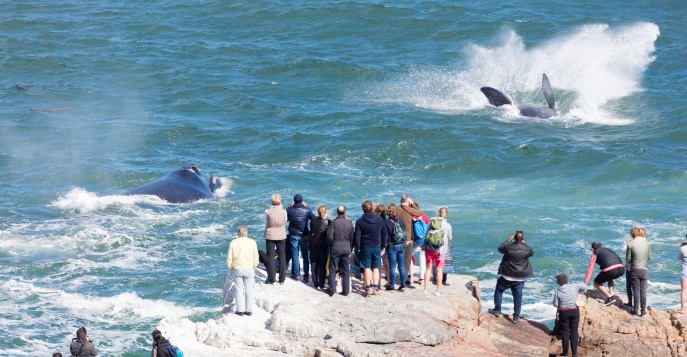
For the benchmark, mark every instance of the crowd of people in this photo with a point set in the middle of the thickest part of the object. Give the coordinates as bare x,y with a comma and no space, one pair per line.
388,237
384,237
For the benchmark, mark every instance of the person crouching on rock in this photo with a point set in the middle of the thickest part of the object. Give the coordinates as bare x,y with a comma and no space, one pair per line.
565,299
243,258
611,268
370,237
515,267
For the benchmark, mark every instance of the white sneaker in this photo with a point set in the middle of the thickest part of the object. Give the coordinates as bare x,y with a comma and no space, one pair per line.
438,293
425,291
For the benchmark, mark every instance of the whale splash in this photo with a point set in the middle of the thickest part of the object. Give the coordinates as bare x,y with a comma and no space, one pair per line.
593,67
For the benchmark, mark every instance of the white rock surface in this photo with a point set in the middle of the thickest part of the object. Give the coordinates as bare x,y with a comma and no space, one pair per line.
297,319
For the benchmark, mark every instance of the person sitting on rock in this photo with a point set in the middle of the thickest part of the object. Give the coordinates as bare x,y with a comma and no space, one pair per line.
82,344
515,267
611,268
160,345
565,299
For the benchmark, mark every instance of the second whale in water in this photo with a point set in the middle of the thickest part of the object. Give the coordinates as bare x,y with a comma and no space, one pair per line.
497,99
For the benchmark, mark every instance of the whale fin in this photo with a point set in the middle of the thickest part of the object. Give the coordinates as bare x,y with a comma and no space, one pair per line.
495,97
548,93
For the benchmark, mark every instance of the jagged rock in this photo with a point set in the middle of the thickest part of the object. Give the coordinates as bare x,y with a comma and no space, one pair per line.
613,331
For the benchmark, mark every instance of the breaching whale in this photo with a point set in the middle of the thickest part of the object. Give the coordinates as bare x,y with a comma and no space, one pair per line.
497,99
186,184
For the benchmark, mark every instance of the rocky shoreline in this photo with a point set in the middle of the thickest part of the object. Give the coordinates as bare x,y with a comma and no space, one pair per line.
296,319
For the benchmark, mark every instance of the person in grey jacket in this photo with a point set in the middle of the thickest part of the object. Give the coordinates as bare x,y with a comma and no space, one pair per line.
565,299
82,344
340,238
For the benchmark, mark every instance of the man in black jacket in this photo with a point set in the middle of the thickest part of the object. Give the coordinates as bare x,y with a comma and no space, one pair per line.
298,215
340,238
515,267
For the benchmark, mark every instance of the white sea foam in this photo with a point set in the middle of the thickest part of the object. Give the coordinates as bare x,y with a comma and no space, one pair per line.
590,68
80,201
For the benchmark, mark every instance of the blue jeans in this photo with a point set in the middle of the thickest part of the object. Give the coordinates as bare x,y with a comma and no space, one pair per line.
299,243
515,288
394,253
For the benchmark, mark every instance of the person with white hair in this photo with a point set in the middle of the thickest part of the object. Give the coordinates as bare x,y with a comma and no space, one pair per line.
243,258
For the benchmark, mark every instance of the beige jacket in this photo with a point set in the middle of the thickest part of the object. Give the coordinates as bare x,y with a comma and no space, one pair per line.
275,228
243,254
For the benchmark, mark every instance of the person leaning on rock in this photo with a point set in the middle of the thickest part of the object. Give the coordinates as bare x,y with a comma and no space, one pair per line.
515,267
243,258
565,299
82,344
340,238
611,268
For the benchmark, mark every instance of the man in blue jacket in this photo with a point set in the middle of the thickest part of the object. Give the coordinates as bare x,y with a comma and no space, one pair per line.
370,237
297,216
515,267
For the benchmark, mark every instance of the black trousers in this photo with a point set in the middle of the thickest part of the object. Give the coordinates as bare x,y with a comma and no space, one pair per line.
318,261
569,321
280,246
340,262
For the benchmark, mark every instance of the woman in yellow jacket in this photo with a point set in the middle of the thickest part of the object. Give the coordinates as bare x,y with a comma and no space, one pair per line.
242,258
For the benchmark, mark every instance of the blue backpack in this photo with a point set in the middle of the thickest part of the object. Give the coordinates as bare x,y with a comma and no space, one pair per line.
420,224
175,351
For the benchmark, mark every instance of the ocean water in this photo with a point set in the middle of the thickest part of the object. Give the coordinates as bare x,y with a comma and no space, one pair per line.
340,101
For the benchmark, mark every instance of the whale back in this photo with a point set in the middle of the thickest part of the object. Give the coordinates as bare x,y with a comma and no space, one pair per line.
187,184
548,92
495,97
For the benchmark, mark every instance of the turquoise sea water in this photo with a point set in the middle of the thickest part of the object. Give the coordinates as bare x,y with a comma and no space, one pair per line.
340,101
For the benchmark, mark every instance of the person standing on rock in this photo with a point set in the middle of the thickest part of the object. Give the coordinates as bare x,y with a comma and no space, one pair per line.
406,213
243,258
515,267
436,255
628,269
396,231
682,256
319,247
275,239
370,237
565,299
638,255
611,268
340,235
298,216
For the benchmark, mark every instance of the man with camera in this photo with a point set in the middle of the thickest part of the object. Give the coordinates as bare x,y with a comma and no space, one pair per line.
515,267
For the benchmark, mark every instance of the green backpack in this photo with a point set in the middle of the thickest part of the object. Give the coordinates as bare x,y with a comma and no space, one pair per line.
435,235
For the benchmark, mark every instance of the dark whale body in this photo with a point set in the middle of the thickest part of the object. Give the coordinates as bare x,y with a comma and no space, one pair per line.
187,184
497,99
